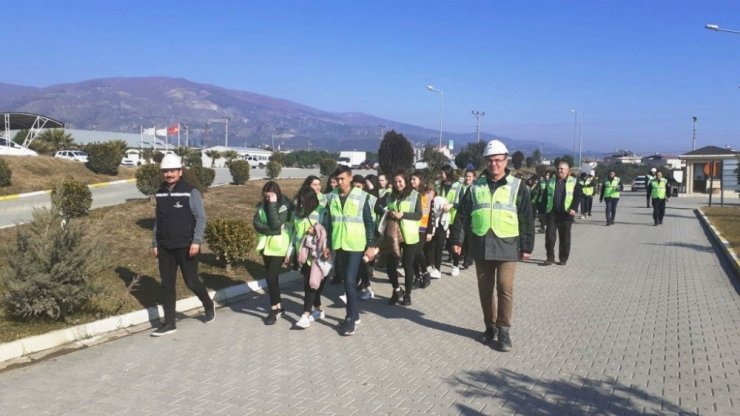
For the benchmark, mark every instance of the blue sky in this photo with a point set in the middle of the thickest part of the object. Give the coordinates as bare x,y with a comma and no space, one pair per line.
636,71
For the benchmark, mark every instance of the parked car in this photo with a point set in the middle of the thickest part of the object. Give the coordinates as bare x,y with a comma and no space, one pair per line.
639,184
257,161
76,155
368,164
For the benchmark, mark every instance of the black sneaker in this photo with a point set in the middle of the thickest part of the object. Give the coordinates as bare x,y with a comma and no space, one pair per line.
426,280
210,314
488,335
406,300
349,328
271,319
549,262
163,330
397,295
504,340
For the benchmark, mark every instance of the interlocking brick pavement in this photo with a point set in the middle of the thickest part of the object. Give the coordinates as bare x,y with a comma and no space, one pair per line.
642,320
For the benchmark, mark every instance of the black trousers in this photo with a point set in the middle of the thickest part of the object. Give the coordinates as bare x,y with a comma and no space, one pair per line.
658,210
272,267
558,228
311,297
586,203
407,261
440,243
169,261
420,260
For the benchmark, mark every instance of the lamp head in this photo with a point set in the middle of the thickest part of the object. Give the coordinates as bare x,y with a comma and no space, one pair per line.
711,27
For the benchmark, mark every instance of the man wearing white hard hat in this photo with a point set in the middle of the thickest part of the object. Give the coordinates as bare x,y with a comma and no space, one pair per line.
650,177
497,212
179,225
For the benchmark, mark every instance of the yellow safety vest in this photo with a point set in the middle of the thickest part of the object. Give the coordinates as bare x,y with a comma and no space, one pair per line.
301,225
274,245
497,211
348,227
587,190
409,228
658,188
611,188
570,186
452,197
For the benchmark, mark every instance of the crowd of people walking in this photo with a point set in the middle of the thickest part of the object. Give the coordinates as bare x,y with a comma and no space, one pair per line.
401,223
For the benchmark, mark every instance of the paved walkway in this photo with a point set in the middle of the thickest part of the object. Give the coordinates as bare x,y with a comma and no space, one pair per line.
642,320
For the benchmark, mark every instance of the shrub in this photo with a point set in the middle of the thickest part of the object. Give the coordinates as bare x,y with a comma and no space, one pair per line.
278,157
157,157
148,179
273,169
5,173
327,166
72,198
239,170
230,240
105,157
395,153
205,175
49,270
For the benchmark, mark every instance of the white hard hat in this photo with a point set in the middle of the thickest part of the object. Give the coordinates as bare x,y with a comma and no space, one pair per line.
495,147
170,161
592,173
653,170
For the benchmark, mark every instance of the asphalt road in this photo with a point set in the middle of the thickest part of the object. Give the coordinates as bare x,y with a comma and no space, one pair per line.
20,210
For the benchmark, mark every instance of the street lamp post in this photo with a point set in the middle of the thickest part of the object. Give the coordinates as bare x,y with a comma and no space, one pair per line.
716,28
441,106
693,135
575,125
478,115
382,130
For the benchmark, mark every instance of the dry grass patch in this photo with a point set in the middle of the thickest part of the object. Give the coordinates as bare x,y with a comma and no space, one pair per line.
131,278
38,173
727,221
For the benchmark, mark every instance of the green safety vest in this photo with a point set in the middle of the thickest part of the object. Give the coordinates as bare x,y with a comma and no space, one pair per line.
452,197
301,225
372,200
383,191
409,228
658,188
347,226
497,212
611,188
542,186
649,178
274,245
585,188
570,186
322,199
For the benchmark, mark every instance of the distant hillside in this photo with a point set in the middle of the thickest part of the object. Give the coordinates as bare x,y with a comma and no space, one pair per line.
123,104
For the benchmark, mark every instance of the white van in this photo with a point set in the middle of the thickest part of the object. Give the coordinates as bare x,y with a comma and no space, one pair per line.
257,161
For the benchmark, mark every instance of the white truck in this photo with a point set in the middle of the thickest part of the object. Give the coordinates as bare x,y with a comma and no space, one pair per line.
351,158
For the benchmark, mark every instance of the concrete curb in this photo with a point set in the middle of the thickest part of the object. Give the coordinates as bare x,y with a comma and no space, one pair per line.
48,191
24,350
729,254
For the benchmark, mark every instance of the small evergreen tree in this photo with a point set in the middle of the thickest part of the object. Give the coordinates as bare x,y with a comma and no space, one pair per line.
395,153
205,175
273,169
5,173
472,153
72,198
105,157
230,240
50,269
327,166
239,170
148,179
517,159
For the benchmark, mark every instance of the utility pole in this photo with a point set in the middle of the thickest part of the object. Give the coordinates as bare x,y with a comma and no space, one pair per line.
693,137
478,115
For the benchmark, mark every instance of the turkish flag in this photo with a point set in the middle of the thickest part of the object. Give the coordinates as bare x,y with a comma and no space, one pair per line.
172,130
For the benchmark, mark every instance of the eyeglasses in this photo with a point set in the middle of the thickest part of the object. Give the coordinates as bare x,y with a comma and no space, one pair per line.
496,161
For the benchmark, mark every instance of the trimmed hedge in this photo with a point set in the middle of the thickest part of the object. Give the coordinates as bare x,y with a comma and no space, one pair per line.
230,240
273,169
5,173
105,157
72,198
239,170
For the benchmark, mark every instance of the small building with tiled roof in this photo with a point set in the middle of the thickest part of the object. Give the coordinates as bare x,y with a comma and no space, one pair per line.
711,168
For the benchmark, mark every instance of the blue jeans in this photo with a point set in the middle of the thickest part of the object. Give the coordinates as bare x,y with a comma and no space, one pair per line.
611,208
349,261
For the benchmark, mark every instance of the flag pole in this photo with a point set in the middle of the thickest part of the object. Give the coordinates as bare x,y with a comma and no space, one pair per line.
178,134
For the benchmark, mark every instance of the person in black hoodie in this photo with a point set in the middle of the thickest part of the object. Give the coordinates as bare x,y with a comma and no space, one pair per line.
179,224
562,196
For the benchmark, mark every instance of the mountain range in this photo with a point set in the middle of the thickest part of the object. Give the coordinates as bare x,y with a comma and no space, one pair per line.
126,104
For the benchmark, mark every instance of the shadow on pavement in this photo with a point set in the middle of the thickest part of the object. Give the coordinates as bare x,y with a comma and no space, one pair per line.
579,395
146,223
697,247
145,289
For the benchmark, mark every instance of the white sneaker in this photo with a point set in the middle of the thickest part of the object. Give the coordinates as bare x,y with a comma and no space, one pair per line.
455,271
304,322
343,297
317,314
434,273
367,294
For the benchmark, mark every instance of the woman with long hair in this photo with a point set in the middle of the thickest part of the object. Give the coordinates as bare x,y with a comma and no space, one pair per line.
404,205
307,214
426,229
272,223
451,190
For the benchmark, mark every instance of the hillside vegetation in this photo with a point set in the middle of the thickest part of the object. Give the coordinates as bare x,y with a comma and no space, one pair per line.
38,173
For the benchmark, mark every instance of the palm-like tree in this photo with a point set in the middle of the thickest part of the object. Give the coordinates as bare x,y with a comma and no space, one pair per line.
213,155
52,140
